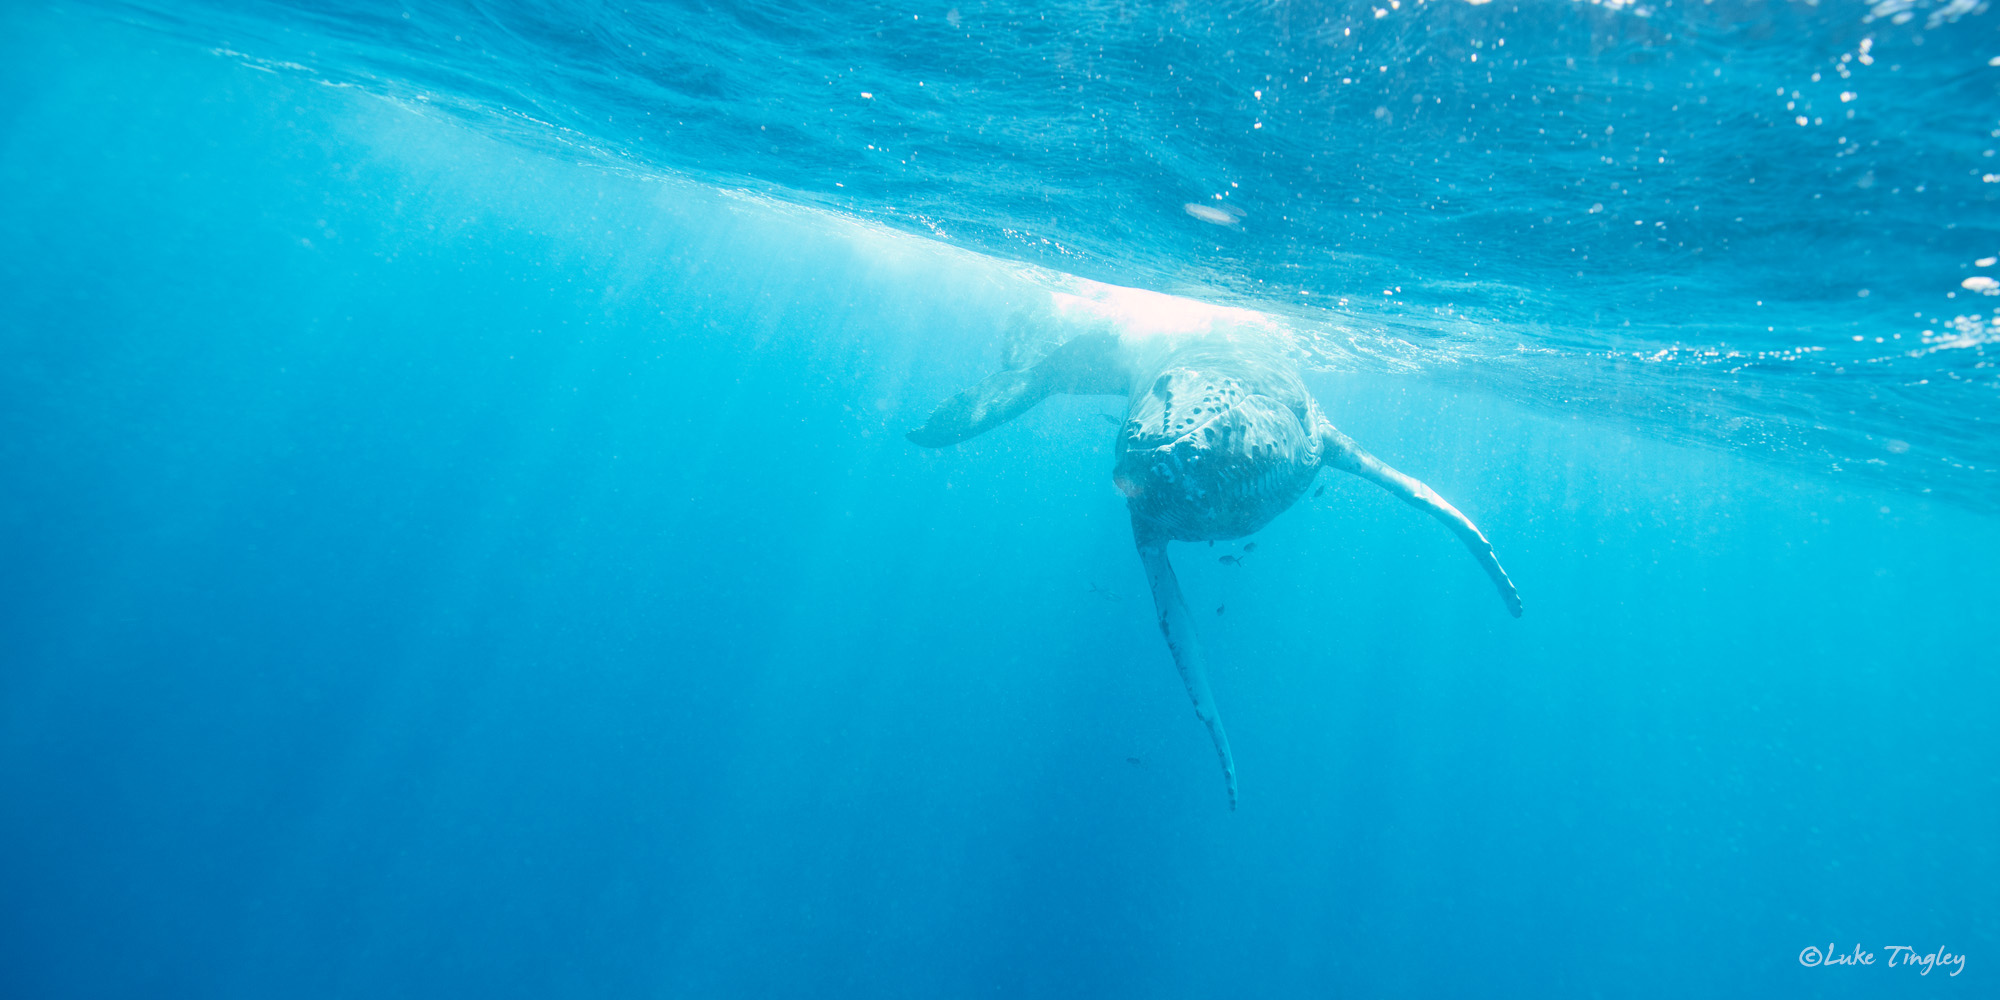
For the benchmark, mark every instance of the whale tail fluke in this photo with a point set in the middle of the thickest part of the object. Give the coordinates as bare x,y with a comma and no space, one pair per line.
1338,451
1178,627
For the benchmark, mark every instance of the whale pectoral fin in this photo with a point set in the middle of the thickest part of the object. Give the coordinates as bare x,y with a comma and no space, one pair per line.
1338,451
999,398
1178,627
1087,364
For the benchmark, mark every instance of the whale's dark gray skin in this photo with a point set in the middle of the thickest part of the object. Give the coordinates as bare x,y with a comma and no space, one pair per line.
1220,436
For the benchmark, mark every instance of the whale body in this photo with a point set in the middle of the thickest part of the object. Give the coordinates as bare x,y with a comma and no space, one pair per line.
1220,436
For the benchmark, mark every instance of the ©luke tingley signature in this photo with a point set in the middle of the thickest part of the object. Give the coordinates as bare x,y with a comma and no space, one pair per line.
1899,955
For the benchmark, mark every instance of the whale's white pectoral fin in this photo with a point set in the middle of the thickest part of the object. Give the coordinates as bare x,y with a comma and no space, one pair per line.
972,412
1338,451
1178,627
1086,364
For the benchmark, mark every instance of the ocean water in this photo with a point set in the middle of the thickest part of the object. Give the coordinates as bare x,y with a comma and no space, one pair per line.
457,536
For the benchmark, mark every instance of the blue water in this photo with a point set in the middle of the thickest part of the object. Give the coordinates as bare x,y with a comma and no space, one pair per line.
457,536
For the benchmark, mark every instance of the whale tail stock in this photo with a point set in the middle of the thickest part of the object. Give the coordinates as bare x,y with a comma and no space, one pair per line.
1085,364
1178,627
1338,451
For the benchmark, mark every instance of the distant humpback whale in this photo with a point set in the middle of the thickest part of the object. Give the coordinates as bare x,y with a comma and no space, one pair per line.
1220,436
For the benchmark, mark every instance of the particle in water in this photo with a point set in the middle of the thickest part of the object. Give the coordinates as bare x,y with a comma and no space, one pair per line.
1208,214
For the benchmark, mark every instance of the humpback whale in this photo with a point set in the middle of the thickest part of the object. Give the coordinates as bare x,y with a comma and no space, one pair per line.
1220,436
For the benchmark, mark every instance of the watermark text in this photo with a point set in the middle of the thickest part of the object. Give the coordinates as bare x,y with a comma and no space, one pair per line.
1900,956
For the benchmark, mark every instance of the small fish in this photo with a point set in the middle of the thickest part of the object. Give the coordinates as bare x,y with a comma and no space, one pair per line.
1113,421
1101,592
1230,560
1252,547
1135,762
1317,492
1220,607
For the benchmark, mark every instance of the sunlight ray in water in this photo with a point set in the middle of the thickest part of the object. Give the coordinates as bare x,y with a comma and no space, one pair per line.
742,498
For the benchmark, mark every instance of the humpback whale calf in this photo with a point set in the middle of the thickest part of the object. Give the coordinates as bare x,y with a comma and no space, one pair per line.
1220,436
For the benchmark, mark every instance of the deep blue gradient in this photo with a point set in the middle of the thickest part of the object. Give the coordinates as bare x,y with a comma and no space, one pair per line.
444,557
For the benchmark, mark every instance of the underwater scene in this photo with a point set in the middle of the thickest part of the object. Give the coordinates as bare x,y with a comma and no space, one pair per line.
975,498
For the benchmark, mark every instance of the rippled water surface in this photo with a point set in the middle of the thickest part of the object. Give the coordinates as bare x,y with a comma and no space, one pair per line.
1750,223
